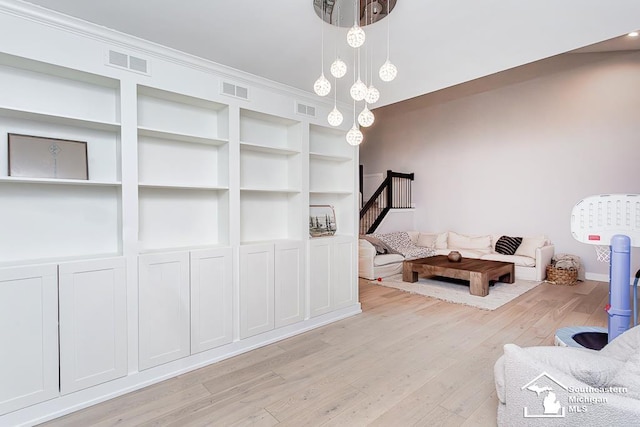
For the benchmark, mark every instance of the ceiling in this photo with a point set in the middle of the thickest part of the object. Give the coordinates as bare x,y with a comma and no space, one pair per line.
434,43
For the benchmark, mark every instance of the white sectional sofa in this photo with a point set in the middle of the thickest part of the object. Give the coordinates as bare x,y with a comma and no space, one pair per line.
530,259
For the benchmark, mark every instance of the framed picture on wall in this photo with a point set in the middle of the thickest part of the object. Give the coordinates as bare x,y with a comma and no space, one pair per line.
40,157
322,220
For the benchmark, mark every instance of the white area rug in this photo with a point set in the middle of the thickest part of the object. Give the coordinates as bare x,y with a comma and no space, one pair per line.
457,291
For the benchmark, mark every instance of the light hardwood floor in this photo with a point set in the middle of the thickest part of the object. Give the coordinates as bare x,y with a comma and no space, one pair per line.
406,360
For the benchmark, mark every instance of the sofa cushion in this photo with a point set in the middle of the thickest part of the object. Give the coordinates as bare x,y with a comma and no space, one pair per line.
426,240
441,240
461,241
523,261
529,245
507,245
386,259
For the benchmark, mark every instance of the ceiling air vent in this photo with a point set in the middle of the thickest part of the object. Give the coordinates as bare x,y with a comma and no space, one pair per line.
306,110
131,63
235,90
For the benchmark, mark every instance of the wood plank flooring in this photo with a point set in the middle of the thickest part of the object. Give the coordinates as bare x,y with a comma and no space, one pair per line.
407,360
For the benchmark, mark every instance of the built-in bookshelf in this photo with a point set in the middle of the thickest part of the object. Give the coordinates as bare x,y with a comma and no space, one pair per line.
270,177
332,175
50,218
183,171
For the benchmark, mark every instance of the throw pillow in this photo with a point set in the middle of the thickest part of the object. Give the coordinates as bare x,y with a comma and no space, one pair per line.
507,245
427,240
529,245
381,247
461,241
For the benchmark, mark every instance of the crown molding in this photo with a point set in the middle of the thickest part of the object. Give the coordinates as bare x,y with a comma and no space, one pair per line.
92,31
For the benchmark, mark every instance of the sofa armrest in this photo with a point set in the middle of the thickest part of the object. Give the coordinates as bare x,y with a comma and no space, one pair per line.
543,258
366,254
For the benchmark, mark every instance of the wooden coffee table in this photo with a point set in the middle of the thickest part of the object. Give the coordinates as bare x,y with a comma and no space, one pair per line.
477,271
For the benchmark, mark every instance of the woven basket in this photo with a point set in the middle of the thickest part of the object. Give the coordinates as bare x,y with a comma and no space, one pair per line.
562,276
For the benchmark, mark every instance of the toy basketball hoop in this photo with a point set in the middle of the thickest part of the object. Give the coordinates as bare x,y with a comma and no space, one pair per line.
603,253
613,220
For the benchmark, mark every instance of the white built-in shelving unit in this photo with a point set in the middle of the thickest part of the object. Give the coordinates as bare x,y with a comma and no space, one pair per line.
44,218
183,171
187,244
270,177
332,176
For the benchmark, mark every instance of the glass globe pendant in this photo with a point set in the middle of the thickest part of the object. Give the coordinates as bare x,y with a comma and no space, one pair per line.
335,117
355,36
388,71
373,95
354,136
338,68
358,90
366,117
322,86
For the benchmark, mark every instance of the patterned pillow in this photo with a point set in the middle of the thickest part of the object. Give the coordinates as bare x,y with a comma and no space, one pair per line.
508,245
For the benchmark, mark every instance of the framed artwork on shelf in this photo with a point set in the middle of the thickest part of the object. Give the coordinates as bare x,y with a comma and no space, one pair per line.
322,220
41,157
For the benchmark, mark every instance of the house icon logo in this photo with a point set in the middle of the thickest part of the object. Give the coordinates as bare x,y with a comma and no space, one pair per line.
546,389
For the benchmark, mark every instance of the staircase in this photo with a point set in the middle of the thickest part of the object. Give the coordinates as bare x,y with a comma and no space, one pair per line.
393,193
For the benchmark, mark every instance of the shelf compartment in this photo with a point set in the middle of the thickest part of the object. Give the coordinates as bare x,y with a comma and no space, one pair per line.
170,163
329,142
57,93
103,147
330,175
57,221
265,130
269,171
175,217
173,113
345,208
270,216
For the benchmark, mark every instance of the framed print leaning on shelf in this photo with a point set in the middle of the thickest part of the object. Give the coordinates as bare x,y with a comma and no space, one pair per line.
322,220
40,157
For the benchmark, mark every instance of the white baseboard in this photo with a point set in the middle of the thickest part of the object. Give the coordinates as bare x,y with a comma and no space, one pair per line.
597,276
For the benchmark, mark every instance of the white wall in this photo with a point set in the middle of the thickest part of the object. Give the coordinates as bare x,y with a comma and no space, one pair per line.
514,158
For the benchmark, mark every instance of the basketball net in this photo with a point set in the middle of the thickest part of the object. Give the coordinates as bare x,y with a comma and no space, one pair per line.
603,253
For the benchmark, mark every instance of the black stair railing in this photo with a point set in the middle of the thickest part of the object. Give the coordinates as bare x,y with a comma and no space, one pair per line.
394,192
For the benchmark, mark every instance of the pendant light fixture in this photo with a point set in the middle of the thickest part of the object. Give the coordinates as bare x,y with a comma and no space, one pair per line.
338,67
358,89
356,35
354,136
361,90
335,116
322,86
388,71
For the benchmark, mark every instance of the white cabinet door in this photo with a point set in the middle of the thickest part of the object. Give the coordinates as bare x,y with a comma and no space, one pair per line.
28,336
256,289
93,323
163,293
211,299
289,283
320,276
343,275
